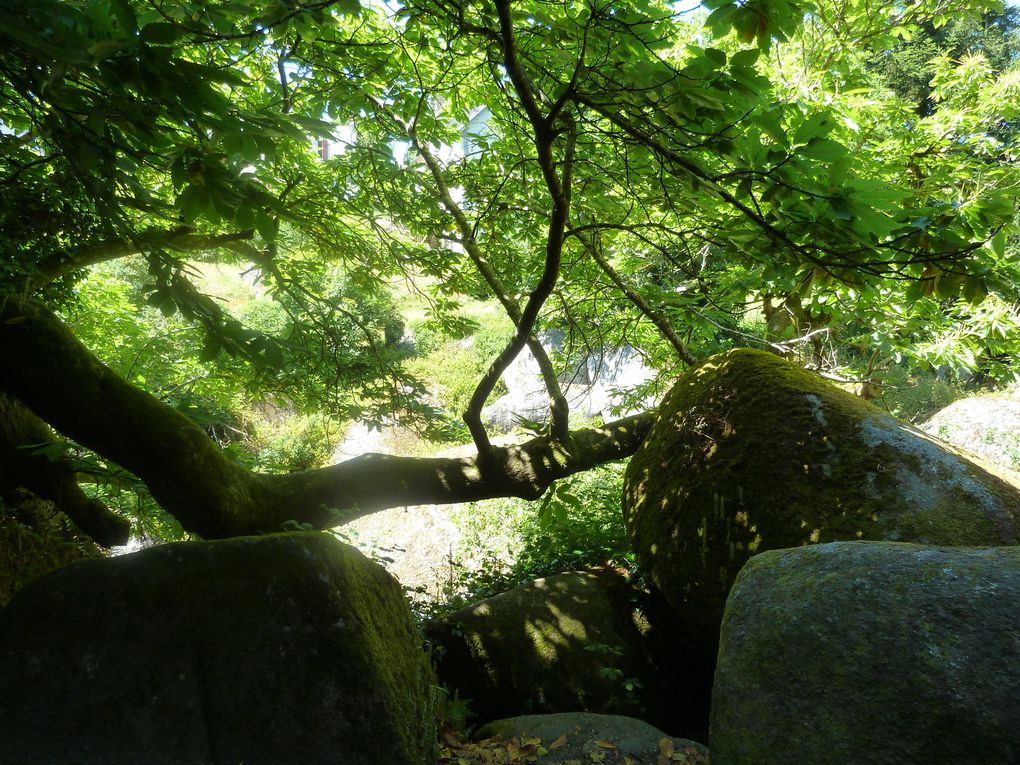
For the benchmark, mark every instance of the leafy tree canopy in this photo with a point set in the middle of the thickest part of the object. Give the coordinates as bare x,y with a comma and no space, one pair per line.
626,172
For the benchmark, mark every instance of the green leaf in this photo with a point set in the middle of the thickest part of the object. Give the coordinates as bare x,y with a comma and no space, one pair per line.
840,208
716,56
193,203
998,244
266,225
744,58
720,21
948,285
824,150
204,73
816,125
975,289
838,171
210,351
771,127
159,33
245,216
125,15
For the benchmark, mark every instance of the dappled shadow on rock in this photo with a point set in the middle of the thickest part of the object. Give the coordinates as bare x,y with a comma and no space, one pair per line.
581,641
751,453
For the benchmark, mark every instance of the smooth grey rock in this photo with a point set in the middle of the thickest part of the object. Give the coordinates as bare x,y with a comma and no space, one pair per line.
987,426
873,654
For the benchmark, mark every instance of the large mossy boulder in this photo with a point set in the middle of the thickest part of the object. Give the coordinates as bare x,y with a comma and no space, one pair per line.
871,653
751,453
576,642
289,648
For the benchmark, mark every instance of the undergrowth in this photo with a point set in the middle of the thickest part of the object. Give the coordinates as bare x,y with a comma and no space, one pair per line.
506,542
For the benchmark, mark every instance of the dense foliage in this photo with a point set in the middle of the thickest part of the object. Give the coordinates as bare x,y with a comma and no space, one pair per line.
753,172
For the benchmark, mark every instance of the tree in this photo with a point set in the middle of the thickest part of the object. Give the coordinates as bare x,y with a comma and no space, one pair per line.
632,183
908,68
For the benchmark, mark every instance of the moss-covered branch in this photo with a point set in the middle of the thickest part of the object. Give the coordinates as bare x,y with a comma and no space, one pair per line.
212,496
62,263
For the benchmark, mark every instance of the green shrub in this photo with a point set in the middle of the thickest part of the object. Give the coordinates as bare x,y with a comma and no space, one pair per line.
297,442
451,373
577,524
265,316
916,397
451,357
493,334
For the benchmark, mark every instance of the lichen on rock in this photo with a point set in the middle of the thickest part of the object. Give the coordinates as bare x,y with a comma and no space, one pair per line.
870,653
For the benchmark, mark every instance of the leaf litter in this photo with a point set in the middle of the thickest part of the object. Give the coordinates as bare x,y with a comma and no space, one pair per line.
498,750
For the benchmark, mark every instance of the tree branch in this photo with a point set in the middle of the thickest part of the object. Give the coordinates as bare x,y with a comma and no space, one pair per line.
212,496
558,402
374,482
22,467
660,321
559,192
63,263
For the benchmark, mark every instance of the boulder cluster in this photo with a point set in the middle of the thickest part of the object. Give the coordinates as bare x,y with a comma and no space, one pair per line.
818,583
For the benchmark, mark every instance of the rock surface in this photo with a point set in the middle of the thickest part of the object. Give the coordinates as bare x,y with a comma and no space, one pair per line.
611,739
289,648
986,426
872,654
581,641
418,545
752,453
595,387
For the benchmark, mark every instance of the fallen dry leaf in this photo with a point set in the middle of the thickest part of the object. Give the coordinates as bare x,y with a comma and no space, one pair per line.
561,741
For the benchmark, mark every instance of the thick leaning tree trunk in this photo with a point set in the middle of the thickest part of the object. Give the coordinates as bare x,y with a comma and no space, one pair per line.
55,376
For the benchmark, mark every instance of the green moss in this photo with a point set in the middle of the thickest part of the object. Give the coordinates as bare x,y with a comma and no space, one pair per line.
34,540
872,648
282,647
391,641
753,453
